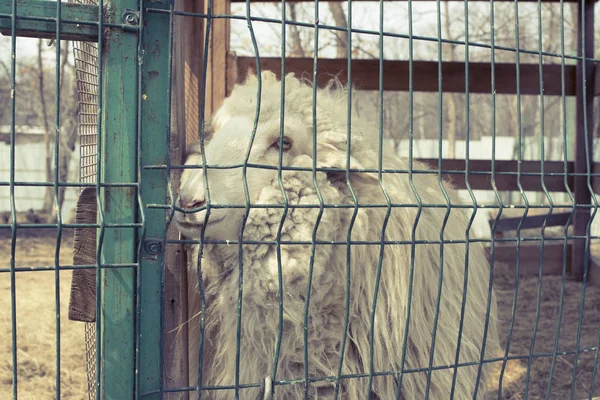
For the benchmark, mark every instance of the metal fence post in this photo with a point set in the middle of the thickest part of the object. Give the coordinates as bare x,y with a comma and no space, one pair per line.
117,203
154,93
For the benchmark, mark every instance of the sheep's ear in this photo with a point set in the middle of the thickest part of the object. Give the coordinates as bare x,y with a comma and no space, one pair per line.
195,147
191,149
209,130
291,77
268,76
250,76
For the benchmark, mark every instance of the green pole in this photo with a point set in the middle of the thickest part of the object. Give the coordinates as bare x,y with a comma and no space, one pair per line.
154,94
116,165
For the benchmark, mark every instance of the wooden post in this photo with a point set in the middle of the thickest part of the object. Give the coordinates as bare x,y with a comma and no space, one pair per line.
189,54
193,42
217,65
212,95
216,77
175,287
585,103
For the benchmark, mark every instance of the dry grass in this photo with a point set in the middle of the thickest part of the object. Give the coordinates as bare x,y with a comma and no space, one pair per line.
37,350
36,324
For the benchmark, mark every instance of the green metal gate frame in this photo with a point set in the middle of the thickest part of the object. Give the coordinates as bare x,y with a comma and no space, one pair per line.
134,102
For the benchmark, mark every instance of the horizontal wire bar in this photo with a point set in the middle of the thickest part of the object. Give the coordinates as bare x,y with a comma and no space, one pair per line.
125,27
70,184
307,25
374,33
373,170
385,373
69,267
56,225
374,205
379,242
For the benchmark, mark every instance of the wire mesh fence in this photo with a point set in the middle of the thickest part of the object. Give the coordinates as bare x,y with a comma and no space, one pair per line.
322,250
86,64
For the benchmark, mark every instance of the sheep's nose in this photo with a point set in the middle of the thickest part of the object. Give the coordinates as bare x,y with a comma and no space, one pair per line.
192,203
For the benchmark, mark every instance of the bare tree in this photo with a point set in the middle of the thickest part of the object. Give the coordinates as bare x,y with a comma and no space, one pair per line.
450,99
339,17
297,45
48,194
65,133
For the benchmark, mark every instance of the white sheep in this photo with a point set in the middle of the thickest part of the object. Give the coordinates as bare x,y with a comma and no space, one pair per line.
227,143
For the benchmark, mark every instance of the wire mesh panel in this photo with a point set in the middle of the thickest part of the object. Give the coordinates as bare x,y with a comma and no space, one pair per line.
86,63
107,167
494,110
409,214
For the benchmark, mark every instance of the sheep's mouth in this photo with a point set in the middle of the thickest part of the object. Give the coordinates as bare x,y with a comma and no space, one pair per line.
195,229
199,224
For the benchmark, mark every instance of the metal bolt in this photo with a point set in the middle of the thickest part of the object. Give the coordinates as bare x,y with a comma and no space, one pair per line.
131,17
152,248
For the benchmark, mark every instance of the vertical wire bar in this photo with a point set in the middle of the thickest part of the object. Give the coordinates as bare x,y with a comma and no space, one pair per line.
445,194
354,200
498,198
586,7
411,133
569,193
319,195
473,199
523,197
285,197
546,194
100,210
388,203
13,210
247,203
200,281
56,195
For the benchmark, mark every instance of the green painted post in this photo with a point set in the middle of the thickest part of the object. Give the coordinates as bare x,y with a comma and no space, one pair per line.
117,155
153,98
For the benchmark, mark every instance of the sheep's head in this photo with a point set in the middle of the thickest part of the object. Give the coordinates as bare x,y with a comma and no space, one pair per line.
230,142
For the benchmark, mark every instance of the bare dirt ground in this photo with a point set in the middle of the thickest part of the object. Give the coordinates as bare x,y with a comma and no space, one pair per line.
517,379
36,322
36,338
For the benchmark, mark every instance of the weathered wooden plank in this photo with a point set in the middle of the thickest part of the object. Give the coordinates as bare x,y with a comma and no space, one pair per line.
365,75
529,257
216,80
584,118
82,304
596,80
193,39
530,222
478,181
594,276
175,344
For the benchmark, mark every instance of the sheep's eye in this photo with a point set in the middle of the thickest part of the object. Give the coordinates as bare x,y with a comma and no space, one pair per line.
287,144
